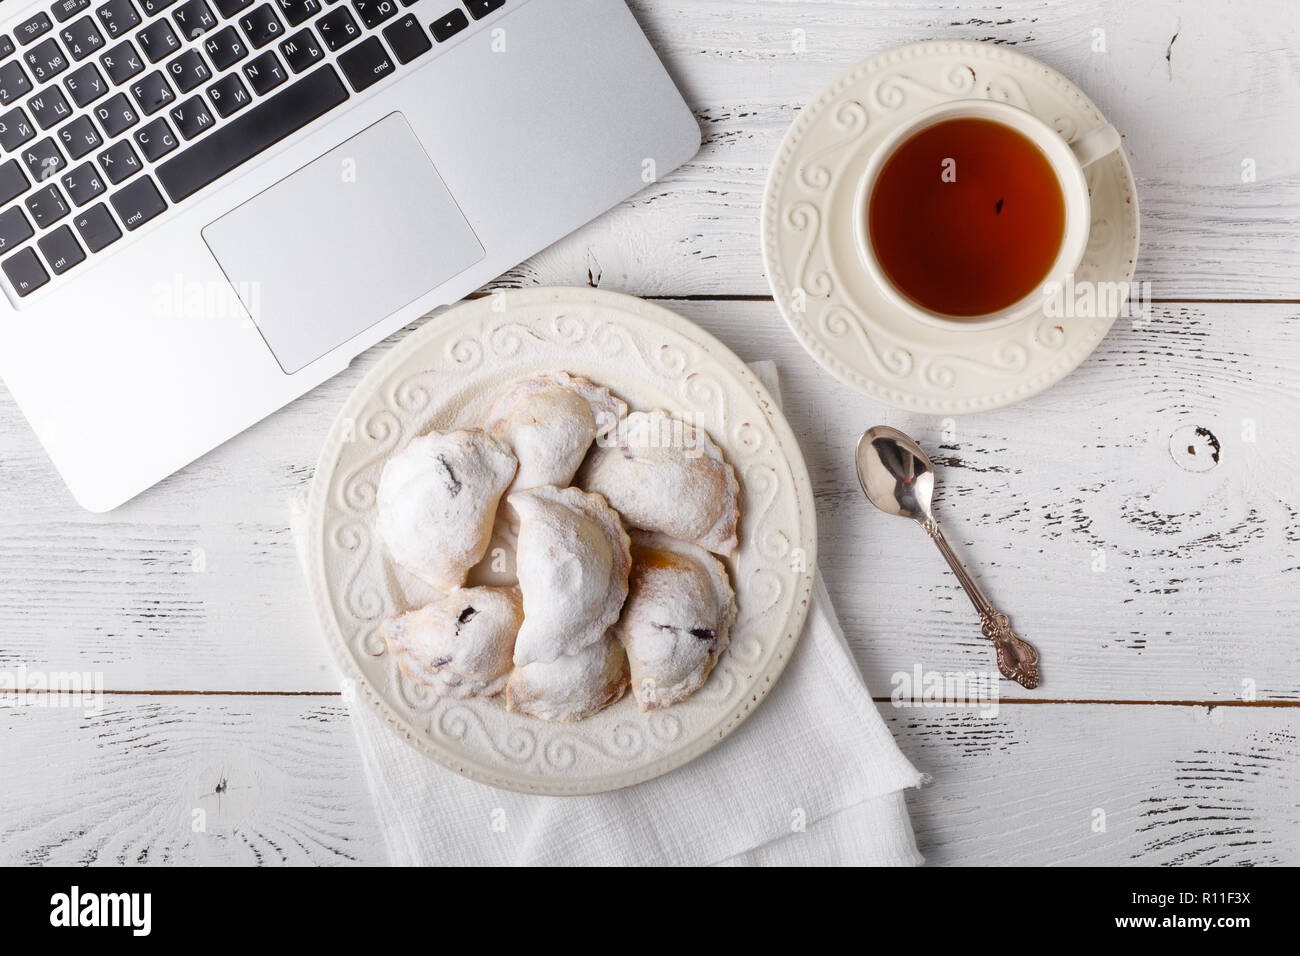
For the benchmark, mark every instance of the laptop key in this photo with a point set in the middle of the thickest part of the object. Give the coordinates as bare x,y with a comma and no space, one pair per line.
192,117
83,184
228,95
47,206
33,28
224,48
337,28
119,162
43,159
65,10
261,26
46,60
228,8
49,107
137,203
296,11
25,272
448,25
15,129
14,228
301,51
152,92
156,139
264,73
117,16
82,38
150,7
85,84
6,45
375,12
193,18
158,40
116,115
122,62
188,70
478,9
97,227
13,183
365,64
79,137
407,38
13,82
61,250
251,132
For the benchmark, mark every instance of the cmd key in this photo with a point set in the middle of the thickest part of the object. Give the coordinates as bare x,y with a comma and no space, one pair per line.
365,64
137,203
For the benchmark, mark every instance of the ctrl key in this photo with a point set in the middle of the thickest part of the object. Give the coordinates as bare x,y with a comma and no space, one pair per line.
61,250
138,203
25,272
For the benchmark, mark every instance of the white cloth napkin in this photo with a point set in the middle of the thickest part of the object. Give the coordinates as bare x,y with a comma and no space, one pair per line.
812,777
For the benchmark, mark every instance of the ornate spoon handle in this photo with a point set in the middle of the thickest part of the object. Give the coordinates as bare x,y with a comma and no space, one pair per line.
1017,658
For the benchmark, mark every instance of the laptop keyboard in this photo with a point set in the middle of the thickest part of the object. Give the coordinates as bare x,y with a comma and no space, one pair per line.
114,111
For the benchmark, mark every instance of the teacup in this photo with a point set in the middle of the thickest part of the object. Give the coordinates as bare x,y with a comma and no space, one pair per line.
1066,161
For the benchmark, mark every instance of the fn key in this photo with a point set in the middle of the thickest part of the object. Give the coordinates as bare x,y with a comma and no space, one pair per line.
137,203
25,271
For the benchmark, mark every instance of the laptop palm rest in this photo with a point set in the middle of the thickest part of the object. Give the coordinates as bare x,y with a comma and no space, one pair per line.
343,242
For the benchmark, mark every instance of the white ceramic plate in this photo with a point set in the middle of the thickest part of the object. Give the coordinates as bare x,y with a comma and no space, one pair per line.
842,318
445,375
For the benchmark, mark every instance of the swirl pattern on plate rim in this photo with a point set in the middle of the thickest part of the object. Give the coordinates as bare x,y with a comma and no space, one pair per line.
475,347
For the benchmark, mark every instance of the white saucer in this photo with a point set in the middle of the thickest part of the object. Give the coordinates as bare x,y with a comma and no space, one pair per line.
843,319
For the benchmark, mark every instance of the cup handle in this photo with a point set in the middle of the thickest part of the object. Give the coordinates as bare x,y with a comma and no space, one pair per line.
1093,145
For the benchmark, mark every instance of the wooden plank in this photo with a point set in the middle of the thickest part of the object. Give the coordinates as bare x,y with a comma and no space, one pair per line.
278,780
1198,90
185,780
1197,598
1105,785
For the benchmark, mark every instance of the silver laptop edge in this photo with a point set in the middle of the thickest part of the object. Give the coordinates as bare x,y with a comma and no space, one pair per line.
239,298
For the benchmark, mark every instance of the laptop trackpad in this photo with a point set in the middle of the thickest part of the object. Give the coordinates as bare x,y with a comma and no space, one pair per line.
343,242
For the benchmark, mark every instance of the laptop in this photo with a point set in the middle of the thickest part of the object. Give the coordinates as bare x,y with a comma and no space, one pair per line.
209,207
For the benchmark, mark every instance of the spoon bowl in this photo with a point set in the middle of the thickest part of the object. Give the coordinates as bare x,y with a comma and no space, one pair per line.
895,473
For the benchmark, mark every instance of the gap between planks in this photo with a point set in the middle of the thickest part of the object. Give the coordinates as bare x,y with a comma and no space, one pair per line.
740,297
878,700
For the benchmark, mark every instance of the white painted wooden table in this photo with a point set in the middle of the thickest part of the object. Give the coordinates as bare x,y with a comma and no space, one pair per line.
1165,599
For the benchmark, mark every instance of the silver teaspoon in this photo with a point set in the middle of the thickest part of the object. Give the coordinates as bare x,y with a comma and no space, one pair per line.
899,480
